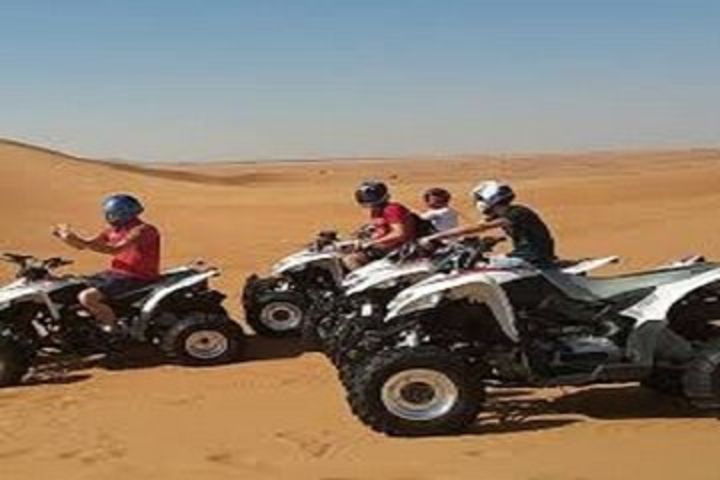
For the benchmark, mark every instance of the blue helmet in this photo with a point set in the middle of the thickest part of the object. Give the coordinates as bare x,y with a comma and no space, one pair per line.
121,209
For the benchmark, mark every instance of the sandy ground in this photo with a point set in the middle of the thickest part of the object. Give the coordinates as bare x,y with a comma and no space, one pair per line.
282,414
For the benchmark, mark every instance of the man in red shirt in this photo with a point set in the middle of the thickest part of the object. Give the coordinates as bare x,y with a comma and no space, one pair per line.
393,224
135,249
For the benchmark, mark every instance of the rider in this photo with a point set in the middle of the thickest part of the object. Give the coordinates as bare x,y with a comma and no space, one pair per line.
393,224
439,212
532,241
135,249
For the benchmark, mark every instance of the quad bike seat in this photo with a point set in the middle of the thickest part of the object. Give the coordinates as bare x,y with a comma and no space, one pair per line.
165,279
598,289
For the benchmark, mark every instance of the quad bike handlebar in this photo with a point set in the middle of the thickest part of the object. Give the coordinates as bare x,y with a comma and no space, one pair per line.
30,266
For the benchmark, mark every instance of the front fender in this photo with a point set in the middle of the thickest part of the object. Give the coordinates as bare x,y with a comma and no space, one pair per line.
476,287
387,277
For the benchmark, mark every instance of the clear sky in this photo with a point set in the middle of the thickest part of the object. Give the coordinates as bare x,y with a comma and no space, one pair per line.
244,79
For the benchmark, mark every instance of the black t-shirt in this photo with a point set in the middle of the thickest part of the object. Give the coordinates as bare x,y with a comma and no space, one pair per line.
532,240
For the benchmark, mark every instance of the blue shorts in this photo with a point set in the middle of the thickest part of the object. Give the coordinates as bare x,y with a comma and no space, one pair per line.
112,284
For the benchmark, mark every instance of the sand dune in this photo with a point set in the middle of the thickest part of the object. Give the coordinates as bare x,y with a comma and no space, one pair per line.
282,415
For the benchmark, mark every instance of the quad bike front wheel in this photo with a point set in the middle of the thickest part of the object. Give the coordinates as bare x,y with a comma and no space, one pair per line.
416,391
203,339
14,361
276,313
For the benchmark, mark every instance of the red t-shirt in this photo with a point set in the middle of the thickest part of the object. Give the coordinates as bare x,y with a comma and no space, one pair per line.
141,259
392,213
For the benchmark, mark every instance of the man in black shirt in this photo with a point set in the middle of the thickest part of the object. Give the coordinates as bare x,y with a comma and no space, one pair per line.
532,241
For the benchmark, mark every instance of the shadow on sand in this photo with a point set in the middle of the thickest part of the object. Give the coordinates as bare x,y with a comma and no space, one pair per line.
508,412
66,369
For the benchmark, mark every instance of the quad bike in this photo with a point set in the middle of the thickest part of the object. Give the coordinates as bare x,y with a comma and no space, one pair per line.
366,292
443,342
179,314
339,324
277,305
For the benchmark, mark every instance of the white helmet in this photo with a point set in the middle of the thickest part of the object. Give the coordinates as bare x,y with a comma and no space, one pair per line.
492,193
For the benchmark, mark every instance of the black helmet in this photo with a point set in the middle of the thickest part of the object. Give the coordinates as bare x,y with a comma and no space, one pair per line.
439,193
372,193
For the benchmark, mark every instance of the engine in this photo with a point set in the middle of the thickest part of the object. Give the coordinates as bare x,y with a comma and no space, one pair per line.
574,353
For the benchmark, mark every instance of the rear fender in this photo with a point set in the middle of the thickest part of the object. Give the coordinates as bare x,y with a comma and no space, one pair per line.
585,266
657,305
152,303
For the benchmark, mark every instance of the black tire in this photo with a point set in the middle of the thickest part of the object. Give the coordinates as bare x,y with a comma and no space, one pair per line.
666,381
14,361
370,390
701,382
310,338
203,339
277,314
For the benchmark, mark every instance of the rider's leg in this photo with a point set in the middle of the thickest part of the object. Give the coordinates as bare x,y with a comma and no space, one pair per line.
94,301
355,260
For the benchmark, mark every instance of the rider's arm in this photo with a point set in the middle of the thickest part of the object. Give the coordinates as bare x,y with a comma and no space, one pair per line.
72,239
479,227
397,231
100,243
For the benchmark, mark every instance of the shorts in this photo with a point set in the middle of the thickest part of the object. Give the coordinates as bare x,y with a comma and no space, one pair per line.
112,284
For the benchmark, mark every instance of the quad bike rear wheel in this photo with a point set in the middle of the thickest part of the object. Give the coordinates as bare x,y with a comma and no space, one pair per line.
416,391
666,381
701,381
203,339
14,361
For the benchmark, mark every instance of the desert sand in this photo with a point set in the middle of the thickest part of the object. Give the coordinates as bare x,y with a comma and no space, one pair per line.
281,414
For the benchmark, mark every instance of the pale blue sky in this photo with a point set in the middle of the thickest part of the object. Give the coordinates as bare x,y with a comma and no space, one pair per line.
244,79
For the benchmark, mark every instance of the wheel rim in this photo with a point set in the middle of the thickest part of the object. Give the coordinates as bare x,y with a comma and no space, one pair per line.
206,344
281,316
419,394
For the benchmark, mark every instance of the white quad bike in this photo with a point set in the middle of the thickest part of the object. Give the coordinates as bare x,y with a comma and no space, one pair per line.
362,306
179,314
276,306
446,339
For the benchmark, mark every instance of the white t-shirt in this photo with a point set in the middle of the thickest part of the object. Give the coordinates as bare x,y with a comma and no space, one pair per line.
442,218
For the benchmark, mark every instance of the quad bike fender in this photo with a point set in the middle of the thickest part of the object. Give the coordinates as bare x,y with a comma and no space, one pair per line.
590,264
326,260
152,303
657,305
477,287
389,277
17,293
366,271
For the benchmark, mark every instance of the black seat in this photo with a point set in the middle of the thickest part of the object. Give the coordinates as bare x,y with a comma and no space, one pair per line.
145,291
589,289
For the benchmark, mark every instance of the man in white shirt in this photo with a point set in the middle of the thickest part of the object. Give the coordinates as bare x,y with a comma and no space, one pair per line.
439,212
